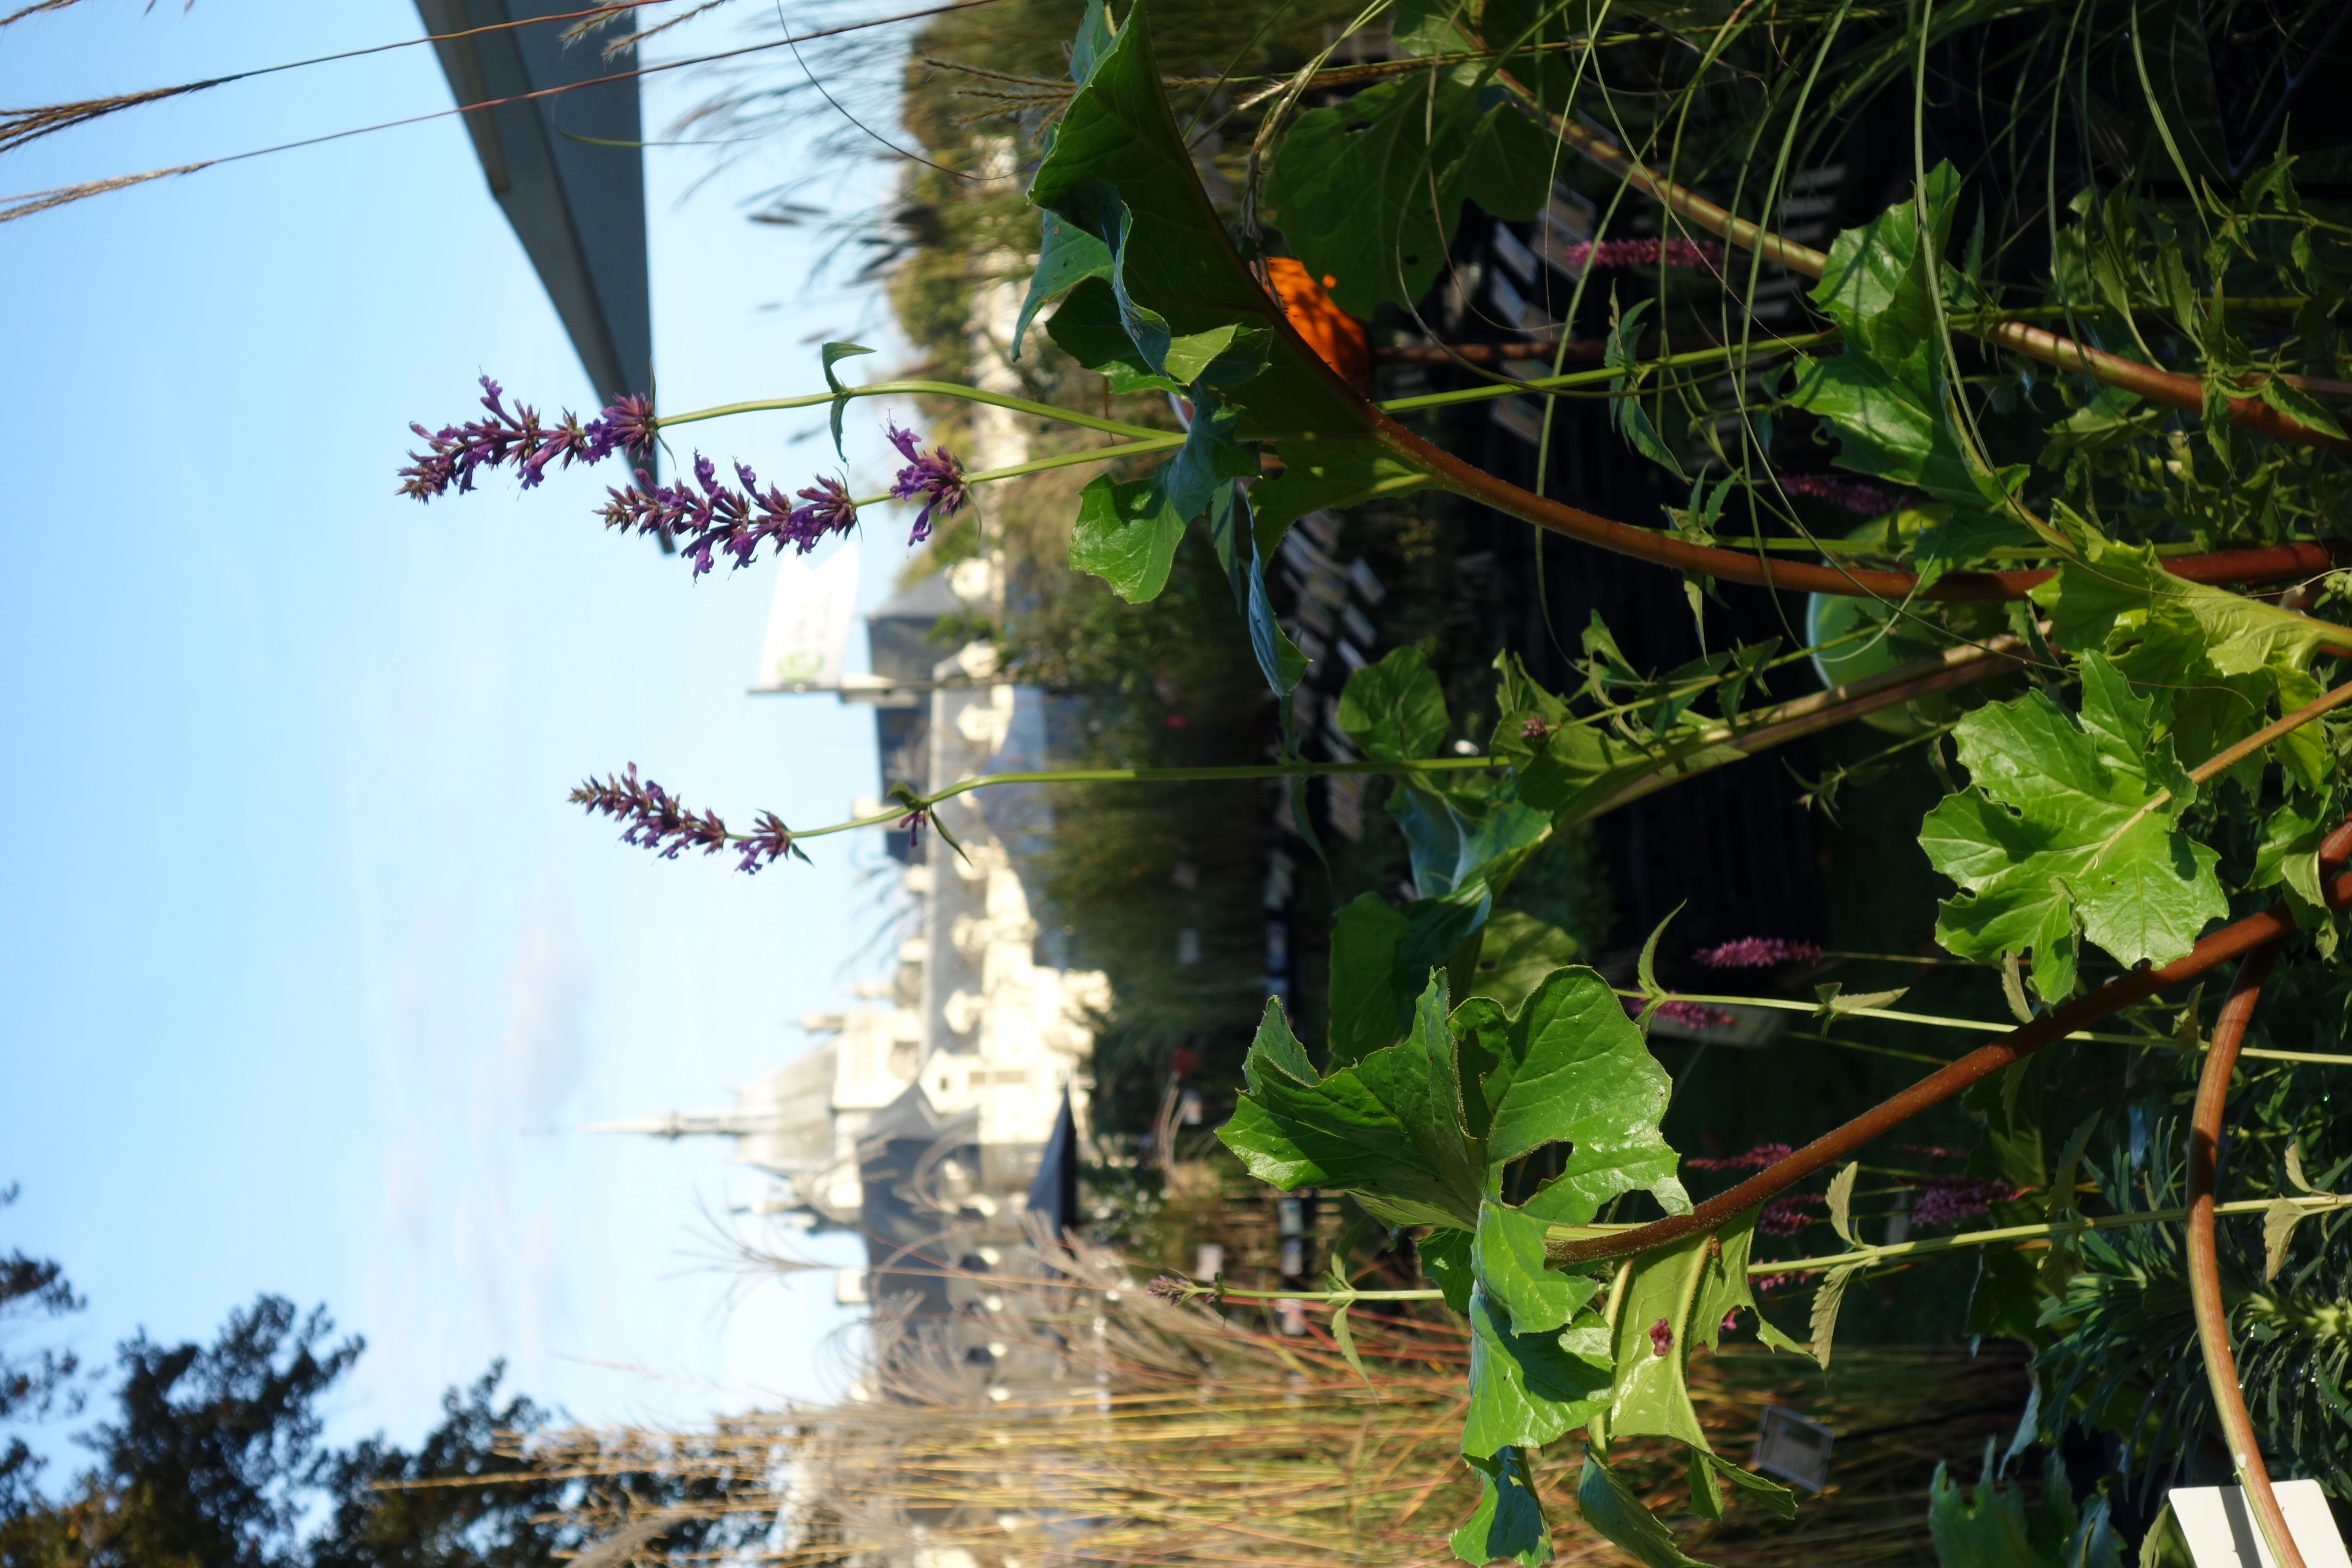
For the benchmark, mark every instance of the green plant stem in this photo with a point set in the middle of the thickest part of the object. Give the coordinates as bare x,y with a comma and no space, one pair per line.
1608,372
915,388
1865,1256
1152,775
1938,1021
1869,1255
1164,442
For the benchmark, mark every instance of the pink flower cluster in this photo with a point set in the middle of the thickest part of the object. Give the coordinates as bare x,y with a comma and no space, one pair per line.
1689,1014
1788,1214
1703,253
1947,1199
1852,494
653,818
1759,952
1756,1158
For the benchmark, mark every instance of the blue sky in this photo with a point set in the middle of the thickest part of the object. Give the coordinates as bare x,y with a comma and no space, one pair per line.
309,976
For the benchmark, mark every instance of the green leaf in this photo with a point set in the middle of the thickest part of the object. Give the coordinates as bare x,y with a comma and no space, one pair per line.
1508,1523
2062,823
1458,837
1346,1340
1885,391
1826,1301
1279,658
1518,951
1509,1253
1763,1488
1208,462
1368,1010
1394,710
1126,535
833,354
1420,1130
1841,1199
1610,1507
1093,41
1326,471
1992,1528
2220,659
1276,1049
1067,256
1088,329
1445,1258
1368,192
1526,1390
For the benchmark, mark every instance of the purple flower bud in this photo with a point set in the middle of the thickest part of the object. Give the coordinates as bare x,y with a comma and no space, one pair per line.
1662,1337
1759,952
937,479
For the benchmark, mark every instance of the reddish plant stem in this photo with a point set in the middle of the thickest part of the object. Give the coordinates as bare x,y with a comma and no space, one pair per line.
2270,564
2231,942
2204,1264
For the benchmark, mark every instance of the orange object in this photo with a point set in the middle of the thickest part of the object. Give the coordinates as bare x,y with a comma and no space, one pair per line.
1337,338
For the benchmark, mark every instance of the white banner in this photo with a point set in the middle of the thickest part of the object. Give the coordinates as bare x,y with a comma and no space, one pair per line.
808,623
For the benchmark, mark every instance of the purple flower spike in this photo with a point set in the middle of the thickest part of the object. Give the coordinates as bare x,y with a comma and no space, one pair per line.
1662,1337
1706,254
1689,1014
707,517
1756,1158
454,453
1943,1200
937,479
1854,494
1759,952
654,819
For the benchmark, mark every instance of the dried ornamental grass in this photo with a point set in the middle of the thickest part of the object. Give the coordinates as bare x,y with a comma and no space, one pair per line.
1109,1426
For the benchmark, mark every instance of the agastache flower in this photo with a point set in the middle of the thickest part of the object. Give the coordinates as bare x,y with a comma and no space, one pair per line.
1759,952
1662,1337
1756,1158
705,516
1786,1215
1945,1200
658,820
1852,494
1703,253
1689,1014
938,479
454,453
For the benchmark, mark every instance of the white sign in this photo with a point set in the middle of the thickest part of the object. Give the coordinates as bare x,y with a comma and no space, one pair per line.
2222,1531
808,622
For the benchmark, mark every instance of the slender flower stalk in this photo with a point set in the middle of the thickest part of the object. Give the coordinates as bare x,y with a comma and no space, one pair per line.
455,453
655,819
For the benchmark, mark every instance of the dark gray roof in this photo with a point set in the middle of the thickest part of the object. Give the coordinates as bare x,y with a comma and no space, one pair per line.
568,170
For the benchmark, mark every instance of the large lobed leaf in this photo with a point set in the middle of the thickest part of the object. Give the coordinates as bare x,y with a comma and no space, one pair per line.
1420,1130
2071,824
